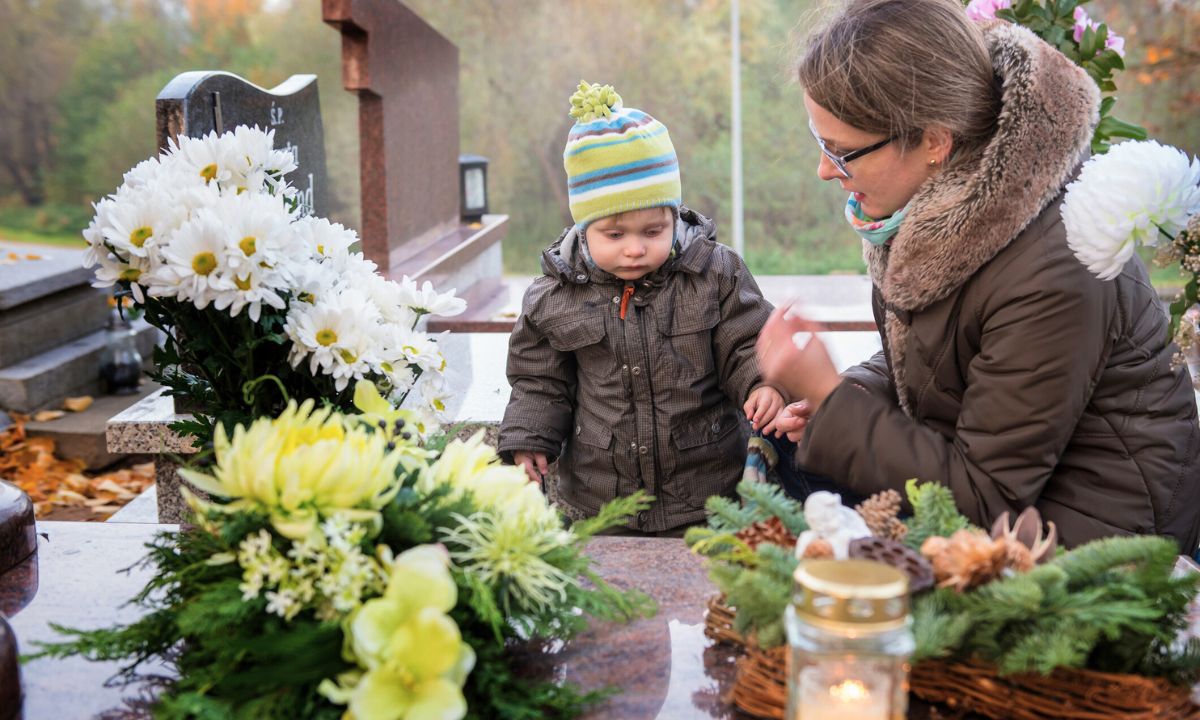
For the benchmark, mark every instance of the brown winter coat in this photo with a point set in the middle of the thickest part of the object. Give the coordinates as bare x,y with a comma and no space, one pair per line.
652,401
1009,372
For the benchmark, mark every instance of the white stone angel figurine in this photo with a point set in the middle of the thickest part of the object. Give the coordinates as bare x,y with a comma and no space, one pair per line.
831,521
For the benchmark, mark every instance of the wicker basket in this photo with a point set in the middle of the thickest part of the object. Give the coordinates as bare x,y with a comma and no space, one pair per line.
761,686
1066,693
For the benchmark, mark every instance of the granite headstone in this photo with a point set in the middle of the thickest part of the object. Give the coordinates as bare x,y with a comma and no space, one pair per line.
197,103
405,75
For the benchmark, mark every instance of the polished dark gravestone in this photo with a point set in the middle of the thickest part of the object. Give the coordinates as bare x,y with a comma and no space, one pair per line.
18,543
197,103
405,74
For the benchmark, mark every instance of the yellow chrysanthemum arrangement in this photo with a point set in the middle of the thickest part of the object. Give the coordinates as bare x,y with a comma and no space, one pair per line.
305,465
341,564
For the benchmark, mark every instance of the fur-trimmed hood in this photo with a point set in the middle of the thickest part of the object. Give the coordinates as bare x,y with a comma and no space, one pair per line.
963,216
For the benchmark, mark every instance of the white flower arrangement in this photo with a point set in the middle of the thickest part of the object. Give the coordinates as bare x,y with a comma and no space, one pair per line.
1135,194
213,223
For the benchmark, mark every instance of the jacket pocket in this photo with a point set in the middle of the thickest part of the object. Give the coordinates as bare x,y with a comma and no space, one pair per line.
588,474
585,338
706,458
687,353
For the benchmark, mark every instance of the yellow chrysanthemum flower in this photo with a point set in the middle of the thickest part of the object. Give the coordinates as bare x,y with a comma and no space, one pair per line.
413,659
302,466
503,489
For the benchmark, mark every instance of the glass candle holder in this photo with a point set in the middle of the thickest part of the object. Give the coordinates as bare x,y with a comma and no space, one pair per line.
850,638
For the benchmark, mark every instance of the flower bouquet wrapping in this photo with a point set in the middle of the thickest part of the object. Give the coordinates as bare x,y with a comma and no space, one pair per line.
1007,625
259,303
342,569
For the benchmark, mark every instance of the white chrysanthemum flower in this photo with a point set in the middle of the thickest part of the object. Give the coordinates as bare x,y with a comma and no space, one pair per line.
352,269
312,282
386,296
261,228
1135,193
194,266
209,157
427,301
135,224
145,173
255,286
419,349
338,335
111,270
323,238
258,166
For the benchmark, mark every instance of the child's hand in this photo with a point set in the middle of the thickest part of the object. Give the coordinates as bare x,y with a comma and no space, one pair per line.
534,463
791,421
762,406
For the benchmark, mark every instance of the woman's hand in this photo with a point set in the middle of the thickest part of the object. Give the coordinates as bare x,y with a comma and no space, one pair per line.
791,421
534,463
762,406
792,357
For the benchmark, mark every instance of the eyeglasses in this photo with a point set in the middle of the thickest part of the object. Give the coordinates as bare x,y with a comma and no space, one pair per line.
840,161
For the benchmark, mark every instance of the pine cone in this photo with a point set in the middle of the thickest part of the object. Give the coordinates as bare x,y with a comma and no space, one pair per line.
899,556
767,531
881,512
966,559
818,549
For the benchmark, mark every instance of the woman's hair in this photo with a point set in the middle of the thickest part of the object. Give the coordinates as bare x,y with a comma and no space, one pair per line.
897,67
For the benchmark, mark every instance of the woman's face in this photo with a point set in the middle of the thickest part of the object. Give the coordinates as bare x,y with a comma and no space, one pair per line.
884,180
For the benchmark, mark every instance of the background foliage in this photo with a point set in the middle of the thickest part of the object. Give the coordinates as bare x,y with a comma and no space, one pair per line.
78,80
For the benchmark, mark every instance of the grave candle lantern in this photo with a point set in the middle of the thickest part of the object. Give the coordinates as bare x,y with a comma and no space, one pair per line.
472,171
850,637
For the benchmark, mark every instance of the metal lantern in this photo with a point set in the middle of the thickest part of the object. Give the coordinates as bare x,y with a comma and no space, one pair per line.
472,172
850,638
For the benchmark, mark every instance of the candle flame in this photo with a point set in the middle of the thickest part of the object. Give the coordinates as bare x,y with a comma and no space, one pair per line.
849,691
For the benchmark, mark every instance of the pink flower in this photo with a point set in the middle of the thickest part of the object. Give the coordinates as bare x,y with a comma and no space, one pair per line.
984,10
1083,22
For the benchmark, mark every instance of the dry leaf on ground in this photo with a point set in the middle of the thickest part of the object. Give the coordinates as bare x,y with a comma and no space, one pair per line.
60,487
78,404
47,415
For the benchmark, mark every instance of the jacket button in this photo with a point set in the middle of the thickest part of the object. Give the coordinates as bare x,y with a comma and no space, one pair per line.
643,450
581,277
624,368
578,429
616,299
633,446
637,370
716,427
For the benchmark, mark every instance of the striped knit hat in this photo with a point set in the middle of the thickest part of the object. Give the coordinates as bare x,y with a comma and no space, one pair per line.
617,159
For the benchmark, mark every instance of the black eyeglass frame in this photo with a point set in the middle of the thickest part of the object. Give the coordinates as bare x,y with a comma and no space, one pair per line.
839,161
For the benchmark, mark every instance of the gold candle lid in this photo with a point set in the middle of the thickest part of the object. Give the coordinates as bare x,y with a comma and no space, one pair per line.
851,594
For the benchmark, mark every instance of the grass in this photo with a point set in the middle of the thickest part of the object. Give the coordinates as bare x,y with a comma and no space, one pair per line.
57,224
33,237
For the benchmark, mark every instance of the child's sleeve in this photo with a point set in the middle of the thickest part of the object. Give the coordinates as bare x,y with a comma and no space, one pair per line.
540,407
744,311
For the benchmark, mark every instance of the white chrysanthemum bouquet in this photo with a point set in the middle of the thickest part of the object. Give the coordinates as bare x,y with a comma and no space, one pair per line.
259,303
1138,193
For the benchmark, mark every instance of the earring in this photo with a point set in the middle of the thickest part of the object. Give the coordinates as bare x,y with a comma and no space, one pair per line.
932,162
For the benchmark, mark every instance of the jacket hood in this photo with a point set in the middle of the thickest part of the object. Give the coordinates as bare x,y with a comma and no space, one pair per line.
963,216
564,260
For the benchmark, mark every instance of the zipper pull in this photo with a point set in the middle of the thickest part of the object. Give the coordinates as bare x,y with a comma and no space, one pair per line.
625,295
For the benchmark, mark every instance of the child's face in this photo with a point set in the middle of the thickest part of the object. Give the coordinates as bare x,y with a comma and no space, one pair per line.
633,244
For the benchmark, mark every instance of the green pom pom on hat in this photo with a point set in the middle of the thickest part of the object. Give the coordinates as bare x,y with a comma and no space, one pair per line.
617,159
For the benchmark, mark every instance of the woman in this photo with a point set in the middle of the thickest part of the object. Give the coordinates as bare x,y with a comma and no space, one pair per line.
1009,373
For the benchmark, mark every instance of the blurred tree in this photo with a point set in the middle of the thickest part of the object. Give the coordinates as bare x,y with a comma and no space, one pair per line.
38,41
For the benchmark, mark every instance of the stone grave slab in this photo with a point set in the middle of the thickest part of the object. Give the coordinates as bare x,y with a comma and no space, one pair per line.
199,102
